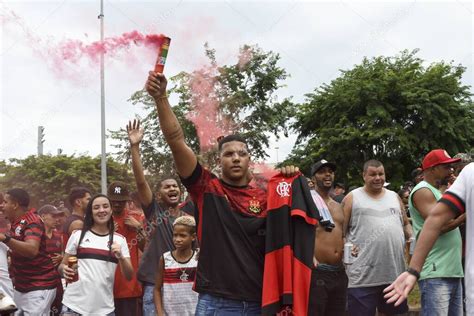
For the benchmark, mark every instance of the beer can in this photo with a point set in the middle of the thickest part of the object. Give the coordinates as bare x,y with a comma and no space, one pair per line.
412,245
348,253
72,263
162,55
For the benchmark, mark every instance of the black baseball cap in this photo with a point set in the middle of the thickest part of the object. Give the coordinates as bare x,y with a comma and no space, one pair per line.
118,191
322,163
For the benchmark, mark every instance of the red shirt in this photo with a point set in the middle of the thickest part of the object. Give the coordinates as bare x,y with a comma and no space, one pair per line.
122,287
31,274
54,245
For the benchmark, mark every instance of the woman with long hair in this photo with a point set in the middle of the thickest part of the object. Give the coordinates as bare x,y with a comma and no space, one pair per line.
98,250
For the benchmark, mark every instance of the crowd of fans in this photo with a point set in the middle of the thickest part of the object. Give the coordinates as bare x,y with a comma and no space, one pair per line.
233,248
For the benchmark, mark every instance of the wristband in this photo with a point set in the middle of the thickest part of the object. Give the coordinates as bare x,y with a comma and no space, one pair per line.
7,239
414,272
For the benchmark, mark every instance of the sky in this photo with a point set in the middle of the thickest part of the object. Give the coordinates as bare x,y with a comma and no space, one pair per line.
314,39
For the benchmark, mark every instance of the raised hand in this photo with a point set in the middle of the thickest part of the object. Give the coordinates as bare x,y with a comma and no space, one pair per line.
156,85
289,171
135,133
400,288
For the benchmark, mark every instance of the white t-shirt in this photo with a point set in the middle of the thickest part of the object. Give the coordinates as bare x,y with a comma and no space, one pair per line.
460,198
93,293
6,285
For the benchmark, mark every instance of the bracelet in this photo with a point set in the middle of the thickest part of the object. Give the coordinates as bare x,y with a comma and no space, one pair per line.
162,97
7,239
414,272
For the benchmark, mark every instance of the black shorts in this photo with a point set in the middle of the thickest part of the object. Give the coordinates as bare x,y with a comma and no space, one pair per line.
364,300
328,293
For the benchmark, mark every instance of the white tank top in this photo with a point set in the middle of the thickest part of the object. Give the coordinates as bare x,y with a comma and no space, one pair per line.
178,296
376,226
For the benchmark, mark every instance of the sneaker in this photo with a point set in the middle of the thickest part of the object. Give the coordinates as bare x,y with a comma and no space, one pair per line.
6,304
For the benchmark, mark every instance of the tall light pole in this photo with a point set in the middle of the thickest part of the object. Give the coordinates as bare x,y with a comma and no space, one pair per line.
276,148
103,159
40,140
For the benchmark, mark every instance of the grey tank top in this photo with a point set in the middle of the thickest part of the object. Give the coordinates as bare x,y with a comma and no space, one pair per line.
376,226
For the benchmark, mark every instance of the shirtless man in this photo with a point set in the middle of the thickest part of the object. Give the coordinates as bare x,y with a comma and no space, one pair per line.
329,279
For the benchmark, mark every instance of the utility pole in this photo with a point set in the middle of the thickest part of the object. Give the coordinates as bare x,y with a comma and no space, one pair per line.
103,160
40,140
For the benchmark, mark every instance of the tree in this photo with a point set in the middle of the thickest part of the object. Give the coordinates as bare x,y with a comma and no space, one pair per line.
215,100
393,109
48,179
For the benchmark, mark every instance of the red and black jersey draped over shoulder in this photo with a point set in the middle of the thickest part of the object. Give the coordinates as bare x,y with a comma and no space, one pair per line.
231,233
291,220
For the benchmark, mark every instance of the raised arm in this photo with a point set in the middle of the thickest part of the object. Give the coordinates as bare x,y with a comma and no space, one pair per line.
135,136
184,158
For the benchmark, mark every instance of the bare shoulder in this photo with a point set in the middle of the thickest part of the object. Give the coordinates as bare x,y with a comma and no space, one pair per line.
336,210
347,201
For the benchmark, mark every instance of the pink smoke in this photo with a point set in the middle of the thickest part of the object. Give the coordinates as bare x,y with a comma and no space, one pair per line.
75,50
208,120
61,56
261,173
245,57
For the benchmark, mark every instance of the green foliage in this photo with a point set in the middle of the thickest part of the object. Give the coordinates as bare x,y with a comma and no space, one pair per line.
48,179
246,97
393,109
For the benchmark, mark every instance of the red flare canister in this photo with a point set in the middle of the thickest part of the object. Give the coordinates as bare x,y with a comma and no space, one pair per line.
162,54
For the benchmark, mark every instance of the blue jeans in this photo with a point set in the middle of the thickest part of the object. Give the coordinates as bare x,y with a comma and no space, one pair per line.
148,302
210,305
441,296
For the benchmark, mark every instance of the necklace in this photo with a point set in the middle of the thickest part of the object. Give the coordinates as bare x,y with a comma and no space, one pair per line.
184,277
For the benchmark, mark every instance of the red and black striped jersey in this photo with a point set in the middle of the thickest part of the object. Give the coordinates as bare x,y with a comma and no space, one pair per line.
291,228
54,245
231,232
31,274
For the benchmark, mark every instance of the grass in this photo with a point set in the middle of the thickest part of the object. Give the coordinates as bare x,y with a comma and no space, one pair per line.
414,298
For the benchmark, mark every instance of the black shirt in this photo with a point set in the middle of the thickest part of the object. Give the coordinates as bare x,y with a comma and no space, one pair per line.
231,232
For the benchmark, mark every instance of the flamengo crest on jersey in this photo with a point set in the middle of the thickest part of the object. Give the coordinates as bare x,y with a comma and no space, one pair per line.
283,189
254,206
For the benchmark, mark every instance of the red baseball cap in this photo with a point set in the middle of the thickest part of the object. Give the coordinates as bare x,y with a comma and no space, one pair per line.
437,157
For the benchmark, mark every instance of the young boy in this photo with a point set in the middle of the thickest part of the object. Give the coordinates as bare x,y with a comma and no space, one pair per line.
176,272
